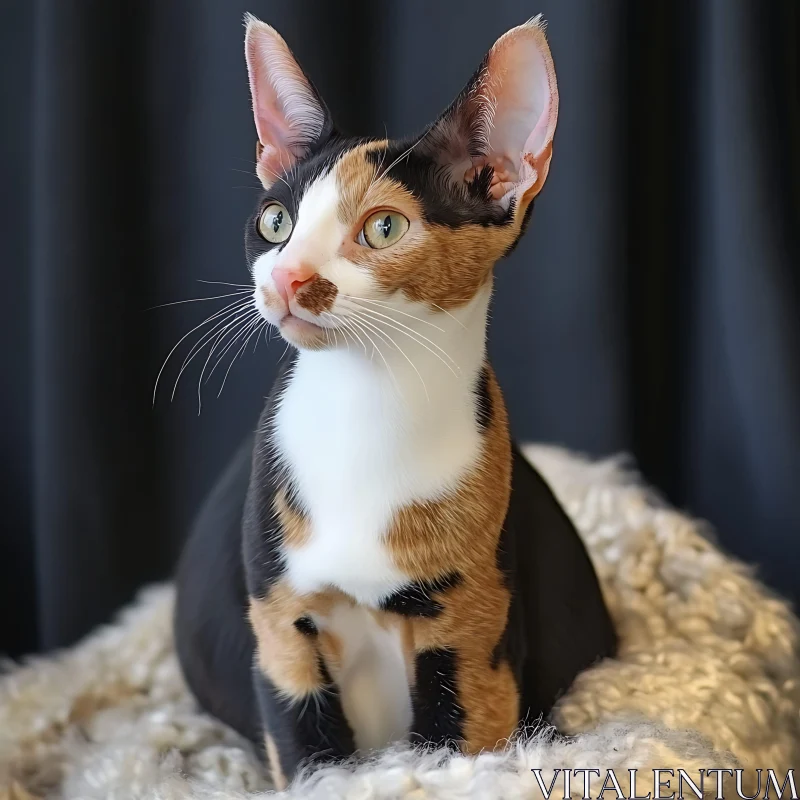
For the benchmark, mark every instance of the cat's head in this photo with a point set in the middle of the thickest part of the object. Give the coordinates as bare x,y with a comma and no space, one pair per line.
351,233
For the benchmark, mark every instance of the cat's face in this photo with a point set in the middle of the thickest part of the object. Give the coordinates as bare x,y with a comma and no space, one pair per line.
348,230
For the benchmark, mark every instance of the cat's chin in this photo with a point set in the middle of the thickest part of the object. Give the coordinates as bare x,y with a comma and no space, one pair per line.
302,334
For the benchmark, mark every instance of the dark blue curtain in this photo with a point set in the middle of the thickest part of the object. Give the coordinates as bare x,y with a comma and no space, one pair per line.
654,306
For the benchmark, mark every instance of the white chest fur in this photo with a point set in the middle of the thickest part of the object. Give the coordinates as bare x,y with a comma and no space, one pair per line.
361,443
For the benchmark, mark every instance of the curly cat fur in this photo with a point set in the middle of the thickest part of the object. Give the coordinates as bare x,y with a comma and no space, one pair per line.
708,675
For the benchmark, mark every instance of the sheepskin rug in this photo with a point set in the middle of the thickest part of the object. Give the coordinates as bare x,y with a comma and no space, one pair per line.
708,676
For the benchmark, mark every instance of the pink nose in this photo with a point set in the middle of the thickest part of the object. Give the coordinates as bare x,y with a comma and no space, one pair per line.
288,280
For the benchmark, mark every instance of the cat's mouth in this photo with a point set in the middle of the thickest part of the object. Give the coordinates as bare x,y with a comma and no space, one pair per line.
292,320
302,333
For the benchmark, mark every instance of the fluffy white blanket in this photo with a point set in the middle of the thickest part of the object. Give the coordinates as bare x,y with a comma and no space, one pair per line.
708,676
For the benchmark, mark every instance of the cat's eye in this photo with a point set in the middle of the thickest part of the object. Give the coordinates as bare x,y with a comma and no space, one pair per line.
275,224
383,229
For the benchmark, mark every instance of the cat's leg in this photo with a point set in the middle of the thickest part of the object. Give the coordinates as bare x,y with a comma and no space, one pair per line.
465,691
463,700
300,706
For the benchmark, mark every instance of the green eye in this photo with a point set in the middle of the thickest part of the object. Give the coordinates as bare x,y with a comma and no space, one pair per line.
275,224
383,229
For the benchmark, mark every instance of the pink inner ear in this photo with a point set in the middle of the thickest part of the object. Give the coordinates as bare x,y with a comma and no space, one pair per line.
520,89
287,113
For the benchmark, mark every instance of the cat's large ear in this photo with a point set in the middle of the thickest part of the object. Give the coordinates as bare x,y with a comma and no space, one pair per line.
505,117
290,117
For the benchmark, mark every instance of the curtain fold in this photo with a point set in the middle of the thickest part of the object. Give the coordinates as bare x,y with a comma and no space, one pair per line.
653,307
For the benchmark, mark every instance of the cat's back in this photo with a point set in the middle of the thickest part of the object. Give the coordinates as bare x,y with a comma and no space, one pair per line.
213,639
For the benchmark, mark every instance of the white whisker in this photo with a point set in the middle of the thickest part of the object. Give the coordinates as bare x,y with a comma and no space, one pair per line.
203,370
254,328
218,330
397,325
225,283
229,329
243,330
445,311
258,338
225,332
211,332
380,353
355,333
411,334
200,299
342,321
344,332
403,155
383,159
402,352
227,309
390,307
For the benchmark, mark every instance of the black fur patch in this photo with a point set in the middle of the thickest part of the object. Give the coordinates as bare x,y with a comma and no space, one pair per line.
558,622
213,638
512,645
500,651
466,114
438,717
422,165
443,201
510,638
416,599
261,531
523,227
306,625
483,399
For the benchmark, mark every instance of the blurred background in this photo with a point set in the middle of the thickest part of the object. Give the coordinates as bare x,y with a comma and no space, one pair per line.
653,307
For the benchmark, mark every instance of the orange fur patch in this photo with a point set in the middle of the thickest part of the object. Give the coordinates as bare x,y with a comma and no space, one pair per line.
288,657
432,264
490,701
295,527
355,183
460,532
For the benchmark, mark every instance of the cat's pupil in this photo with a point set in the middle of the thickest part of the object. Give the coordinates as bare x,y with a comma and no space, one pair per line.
276,221
386,227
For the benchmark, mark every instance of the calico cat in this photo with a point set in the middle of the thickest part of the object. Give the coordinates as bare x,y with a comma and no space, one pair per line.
379,563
